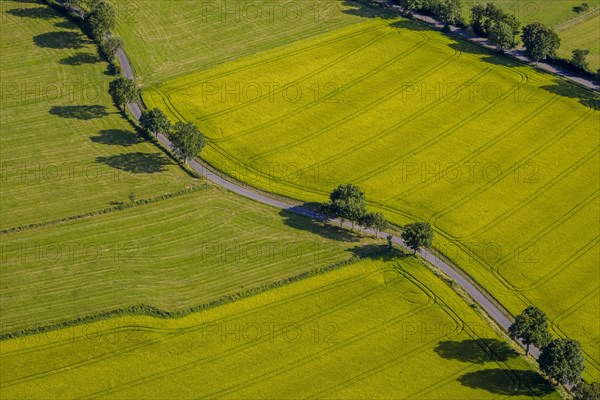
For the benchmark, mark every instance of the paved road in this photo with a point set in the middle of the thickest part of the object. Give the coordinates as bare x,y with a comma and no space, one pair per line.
475,292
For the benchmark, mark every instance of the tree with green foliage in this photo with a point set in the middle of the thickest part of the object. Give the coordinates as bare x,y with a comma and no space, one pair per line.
587,391
380,223
531,326
579,58
123,91
109,46
562,360
375,221
410,6
100,20
540,41
346,202
501,34
186,140
485,20
478,15
448,12
417,235
155,121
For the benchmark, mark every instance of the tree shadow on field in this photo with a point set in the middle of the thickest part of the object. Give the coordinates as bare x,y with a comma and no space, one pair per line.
365,9
137,163
66,24
80,59
306,223
508,382
79,112
59,40
117,137
34,13
572,91
476,351
379,252
488,55
411,25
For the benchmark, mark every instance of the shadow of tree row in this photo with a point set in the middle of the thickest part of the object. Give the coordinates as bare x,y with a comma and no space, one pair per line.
499,381
137,163
85,112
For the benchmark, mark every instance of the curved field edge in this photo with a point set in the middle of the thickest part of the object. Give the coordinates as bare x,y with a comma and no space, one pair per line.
373,329
238,136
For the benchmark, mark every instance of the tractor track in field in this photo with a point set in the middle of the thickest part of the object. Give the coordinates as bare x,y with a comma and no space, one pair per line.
482,298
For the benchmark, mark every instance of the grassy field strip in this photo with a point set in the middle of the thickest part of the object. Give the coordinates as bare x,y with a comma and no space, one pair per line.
101,269
178,335
159,25
584,34
64,146
367,341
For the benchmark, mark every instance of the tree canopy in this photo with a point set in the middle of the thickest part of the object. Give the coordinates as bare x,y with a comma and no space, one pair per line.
186,140
540,41
563,360
123,91
417,235
531,326
155,121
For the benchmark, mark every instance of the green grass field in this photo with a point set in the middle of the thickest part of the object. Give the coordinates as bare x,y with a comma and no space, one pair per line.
173,254
503,160
65,148
583,33
370,330
186,35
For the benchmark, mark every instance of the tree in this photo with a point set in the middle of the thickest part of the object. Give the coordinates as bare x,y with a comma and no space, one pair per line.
186,140
587,391
410,6
477,18
123,91
579,58
598,77
531,326
155,121
109,46
448,12
501,34
562,360
379,223
417,235
100,20
540,41
347,202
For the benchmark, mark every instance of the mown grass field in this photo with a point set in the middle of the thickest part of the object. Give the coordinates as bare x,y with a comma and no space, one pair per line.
370,330
501,159
65,149
583,33
186,35
173,254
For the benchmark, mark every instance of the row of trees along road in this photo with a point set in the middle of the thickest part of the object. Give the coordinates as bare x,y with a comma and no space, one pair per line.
501,28
347,202
560,359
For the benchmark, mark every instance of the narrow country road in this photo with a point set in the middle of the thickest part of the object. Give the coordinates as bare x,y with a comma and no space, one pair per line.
475,292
